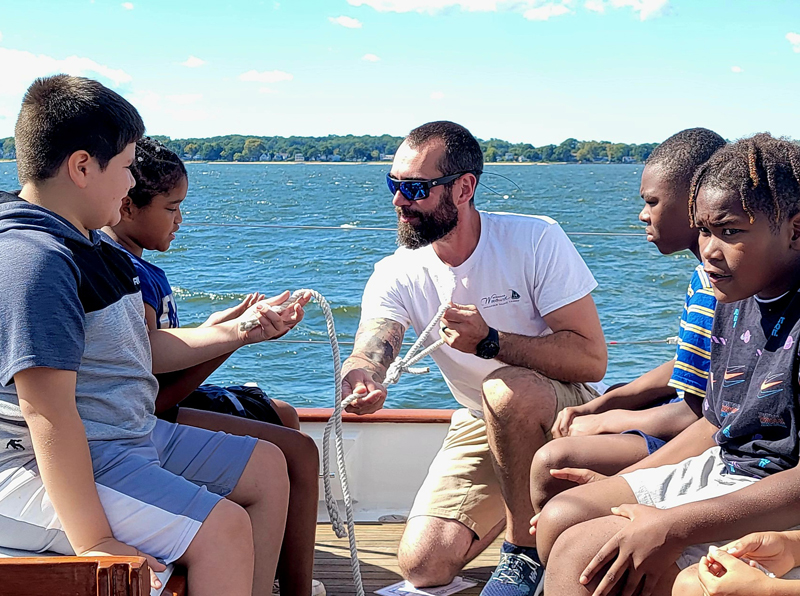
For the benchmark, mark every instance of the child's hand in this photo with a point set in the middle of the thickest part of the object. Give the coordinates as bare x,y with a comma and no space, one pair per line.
234,312
722,574
272,322
565,418
591,424
772,550
115,548
578,475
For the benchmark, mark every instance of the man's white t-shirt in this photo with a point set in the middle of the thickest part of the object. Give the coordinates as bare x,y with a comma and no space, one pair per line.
523,268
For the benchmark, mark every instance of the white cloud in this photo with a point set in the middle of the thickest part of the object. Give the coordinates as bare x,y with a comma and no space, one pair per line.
545,12
268,76
794,39
18,69
127,5
437,95
645,8
193,62
595,6
537,10
370,58
185,99
347,22
736,69
1,36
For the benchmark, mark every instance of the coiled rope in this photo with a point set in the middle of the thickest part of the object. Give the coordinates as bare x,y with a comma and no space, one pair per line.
393,373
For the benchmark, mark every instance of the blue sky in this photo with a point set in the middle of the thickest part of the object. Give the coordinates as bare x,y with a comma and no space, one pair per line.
535,71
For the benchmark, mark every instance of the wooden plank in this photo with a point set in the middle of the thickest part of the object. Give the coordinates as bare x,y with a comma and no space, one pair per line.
377,545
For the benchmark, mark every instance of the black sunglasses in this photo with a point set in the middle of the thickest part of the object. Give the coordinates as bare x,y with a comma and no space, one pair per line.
416,190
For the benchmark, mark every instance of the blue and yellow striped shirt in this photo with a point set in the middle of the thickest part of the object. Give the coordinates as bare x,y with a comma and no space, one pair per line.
694,338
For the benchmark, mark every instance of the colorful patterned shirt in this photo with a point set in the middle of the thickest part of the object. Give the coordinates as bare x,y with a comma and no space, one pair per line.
753,391
690,373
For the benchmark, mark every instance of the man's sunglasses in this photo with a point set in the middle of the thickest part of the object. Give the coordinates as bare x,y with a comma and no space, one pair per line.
416,190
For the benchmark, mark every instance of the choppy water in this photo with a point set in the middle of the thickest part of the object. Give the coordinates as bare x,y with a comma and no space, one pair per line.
639,297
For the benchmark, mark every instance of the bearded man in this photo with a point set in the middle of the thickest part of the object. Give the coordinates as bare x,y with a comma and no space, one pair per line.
522,340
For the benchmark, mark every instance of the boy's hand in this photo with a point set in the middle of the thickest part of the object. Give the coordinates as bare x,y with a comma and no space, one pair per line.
565,418
590,424
772,550
372,394
115,548
234,312
643,549
578,475
722,574
272,324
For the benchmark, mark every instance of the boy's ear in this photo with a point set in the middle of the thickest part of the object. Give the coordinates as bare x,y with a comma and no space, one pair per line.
794,225
78,167
126,210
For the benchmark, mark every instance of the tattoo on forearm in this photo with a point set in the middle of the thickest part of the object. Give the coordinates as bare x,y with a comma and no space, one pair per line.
378,341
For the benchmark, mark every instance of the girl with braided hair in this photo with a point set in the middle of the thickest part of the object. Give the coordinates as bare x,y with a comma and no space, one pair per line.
734,471
151,215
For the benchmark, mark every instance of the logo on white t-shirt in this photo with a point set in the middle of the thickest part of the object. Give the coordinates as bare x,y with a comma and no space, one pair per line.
500,299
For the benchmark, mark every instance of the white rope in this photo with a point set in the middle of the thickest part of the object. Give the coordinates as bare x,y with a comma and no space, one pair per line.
401,365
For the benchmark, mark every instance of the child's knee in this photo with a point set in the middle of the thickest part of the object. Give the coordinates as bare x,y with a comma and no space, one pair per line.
550,456
227,529
560,513
687,583
287,414
270,463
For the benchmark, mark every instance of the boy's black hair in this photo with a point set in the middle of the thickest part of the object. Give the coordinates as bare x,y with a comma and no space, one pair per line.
681,154
156,169
63,114
762,169
462,152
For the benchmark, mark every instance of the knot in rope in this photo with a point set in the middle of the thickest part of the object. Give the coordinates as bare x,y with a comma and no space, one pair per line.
403,364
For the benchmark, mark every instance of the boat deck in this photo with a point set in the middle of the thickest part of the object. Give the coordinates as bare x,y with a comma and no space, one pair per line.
377,549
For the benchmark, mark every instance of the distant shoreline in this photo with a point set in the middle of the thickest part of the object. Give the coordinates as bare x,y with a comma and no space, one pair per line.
387,163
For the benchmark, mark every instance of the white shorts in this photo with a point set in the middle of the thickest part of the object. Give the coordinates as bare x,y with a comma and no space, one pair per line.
695,479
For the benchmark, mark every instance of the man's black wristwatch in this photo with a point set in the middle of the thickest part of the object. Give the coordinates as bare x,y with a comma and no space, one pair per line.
489,346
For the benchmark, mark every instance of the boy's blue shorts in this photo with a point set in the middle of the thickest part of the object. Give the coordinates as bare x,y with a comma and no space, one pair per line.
156,490
653,443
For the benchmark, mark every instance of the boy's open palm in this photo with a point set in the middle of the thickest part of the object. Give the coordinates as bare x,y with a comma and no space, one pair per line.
115,548
273,321
233,312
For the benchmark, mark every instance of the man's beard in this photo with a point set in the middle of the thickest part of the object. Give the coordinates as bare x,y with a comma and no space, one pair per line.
429,227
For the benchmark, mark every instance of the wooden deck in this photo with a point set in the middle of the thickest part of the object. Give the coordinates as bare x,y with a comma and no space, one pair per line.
377,549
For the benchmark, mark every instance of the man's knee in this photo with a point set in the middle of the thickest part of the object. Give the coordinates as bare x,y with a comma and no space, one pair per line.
510,390
433,550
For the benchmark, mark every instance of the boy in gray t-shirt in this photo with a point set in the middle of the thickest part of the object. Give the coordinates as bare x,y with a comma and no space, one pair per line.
86,466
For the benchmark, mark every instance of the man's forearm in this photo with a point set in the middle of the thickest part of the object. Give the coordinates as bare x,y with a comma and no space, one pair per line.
377,344
563,355
183,348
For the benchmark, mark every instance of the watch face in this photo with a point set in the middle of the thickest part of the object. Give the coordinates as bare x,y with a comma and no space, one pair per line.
489,349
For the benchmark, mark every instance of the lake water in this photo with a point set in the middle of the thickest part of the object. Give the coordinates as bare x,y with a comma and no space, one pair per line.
639,297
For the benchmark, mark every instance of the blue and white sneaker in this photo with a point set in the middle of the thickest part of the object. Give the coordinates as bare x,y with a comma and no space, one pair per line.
519,573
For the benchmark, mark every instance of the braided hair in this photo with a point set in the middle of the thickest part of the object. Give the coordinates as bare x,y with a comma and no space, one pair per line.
762,169
156,169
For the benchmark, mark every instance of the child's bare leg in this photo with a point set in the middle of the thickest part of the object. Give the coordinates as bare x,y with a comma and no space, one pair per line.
220,558
287,414
263,491
607,454
576,547
296,563
687,583
578,505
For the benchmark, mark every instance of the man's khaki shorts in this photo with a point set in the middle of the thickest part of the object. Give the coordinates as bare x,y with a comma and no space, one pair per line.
461,484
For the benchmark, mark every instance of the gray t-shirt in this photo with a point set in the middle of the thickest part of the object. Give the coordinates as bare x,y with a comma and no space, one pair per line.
70,303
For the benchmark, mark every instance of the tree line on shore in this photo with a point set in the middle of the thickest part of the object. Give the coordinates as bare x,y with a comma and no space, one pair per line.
378,148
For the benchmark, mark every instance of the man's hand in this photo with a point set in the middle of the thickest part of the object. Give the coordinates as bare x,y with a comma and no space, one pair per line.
115,548
643,549
463,328
233,312
722,574
565,418
371,394
272,324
